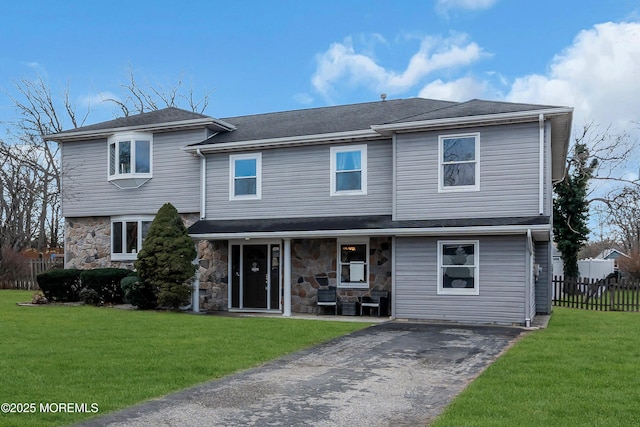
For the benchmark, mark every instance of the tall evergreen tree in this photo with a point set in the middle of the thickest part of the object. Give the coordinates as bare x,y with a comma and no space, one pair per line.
571,208
165,262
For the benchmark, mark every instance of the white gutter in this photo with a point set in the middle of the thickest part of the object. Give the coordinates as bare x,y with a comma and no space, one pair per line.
544,229
484,120
541,165
203,182
322,138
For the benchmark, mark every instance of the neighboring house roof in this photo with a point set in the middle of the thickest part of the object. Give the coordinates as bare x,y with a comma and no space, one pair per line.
611,253
159,120
376,224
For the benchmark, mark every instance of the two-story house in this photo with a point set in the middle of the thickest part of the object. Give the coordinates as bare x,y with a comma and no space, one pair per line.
446,205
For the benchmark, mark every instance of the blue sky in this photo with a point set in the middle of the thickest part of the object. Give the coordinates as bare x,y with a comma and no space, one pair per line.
262,56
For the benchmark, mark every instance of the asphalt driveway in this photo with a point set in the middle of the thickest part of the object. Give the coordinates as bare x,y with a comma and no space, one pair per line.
392,374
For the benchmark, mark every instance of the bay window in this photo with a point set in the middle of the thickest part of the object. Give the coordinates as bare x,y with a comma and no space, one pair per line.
130,158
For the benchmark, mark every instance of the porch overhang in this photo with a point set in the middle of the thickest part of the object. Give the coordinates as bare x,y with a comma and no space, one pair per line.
382,225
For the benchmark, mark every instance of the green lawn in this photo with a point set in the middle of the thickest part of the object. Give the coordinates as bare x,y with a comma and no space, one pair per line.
114,358
584,370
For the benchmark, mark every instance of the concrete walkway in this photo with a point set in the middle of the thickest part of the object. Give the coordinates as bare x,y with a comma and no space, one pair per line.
391,374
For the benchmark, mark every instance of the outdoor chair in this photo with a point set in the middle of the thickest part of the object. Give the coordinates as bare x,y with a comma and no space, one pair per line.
327,298
376,299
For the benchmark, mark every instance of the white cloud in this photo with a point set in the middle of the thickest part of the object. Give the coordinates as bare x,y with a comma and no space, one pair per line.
462,89
442,6
303,98
94,99
342,64
598,75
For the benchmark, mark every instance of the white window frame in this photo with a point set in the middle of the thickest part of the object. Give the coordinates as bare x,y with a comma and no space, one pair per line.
476,267
452,188
353,241
130,179
363,170
232,176
127,256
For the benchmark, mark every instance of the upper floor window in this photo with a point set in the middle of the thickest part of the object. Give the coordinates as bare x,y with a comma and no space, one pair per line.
459,165
245,177
130,158
127,236
349,170
458,267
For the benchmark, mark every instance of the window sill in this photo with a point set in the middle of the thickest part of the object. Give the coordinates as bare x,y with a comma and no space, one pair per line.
126,182
353,285
458,292
124,257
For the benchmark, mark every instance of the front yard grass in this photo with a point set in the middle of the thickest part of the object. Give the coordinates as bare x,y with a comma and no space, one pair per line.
115,358
584,370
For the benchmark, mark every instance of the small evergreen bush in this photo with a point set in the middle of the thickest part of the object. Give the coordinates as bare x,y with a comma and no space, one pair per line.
165,261
60,285
90,296
106,282
137,293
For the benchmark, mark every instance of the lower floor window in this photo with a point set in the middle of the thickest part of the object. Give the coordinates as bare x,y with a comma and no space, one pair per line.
353,264
127,235
458,267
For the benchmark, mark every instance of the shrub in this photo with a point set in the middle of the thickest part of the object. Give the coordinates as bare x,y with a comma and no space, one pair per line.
137,293
90,296
60,285
106,282
165,261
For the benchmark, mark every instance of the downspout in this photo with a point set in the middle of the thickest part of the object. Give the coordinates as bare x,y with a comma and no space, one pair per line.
528,278
203,188
195,291
394,179
541,165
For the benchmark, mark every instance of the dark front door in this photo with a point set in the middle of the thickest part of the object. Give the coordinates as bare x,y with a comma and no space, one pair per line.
255,279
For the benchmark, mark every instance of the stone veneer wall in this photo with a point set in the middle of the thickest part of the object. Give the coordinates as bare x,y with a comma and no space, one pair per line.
88,242
313,264
213,273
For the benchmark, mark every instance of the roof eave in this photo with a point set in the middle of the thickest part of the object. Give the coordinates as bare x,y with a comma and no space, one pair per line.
365,134
478,120
541,232
155,127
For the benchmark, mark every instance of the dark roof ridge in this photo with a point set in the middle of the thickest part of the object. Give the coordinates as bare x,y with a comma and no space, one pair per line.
452,104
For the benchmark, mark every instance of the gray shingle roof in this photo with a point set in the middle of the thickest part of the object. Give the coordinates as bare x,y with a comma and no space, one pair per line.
165,115
474,107
313,121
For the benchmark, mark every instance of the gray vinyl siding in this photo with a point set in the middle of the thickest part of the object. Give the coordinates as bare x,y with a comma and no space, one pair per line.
502,278
543,285
175,179
295,183
509,175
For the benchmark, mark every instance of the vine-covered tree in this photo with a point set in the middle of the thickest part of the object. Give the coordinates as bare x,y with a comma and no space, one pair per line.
165,262
571,208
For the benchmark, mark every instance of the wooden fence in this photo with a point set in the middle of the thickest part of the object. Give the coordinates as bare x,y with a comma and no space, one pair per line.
593,294
34,267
